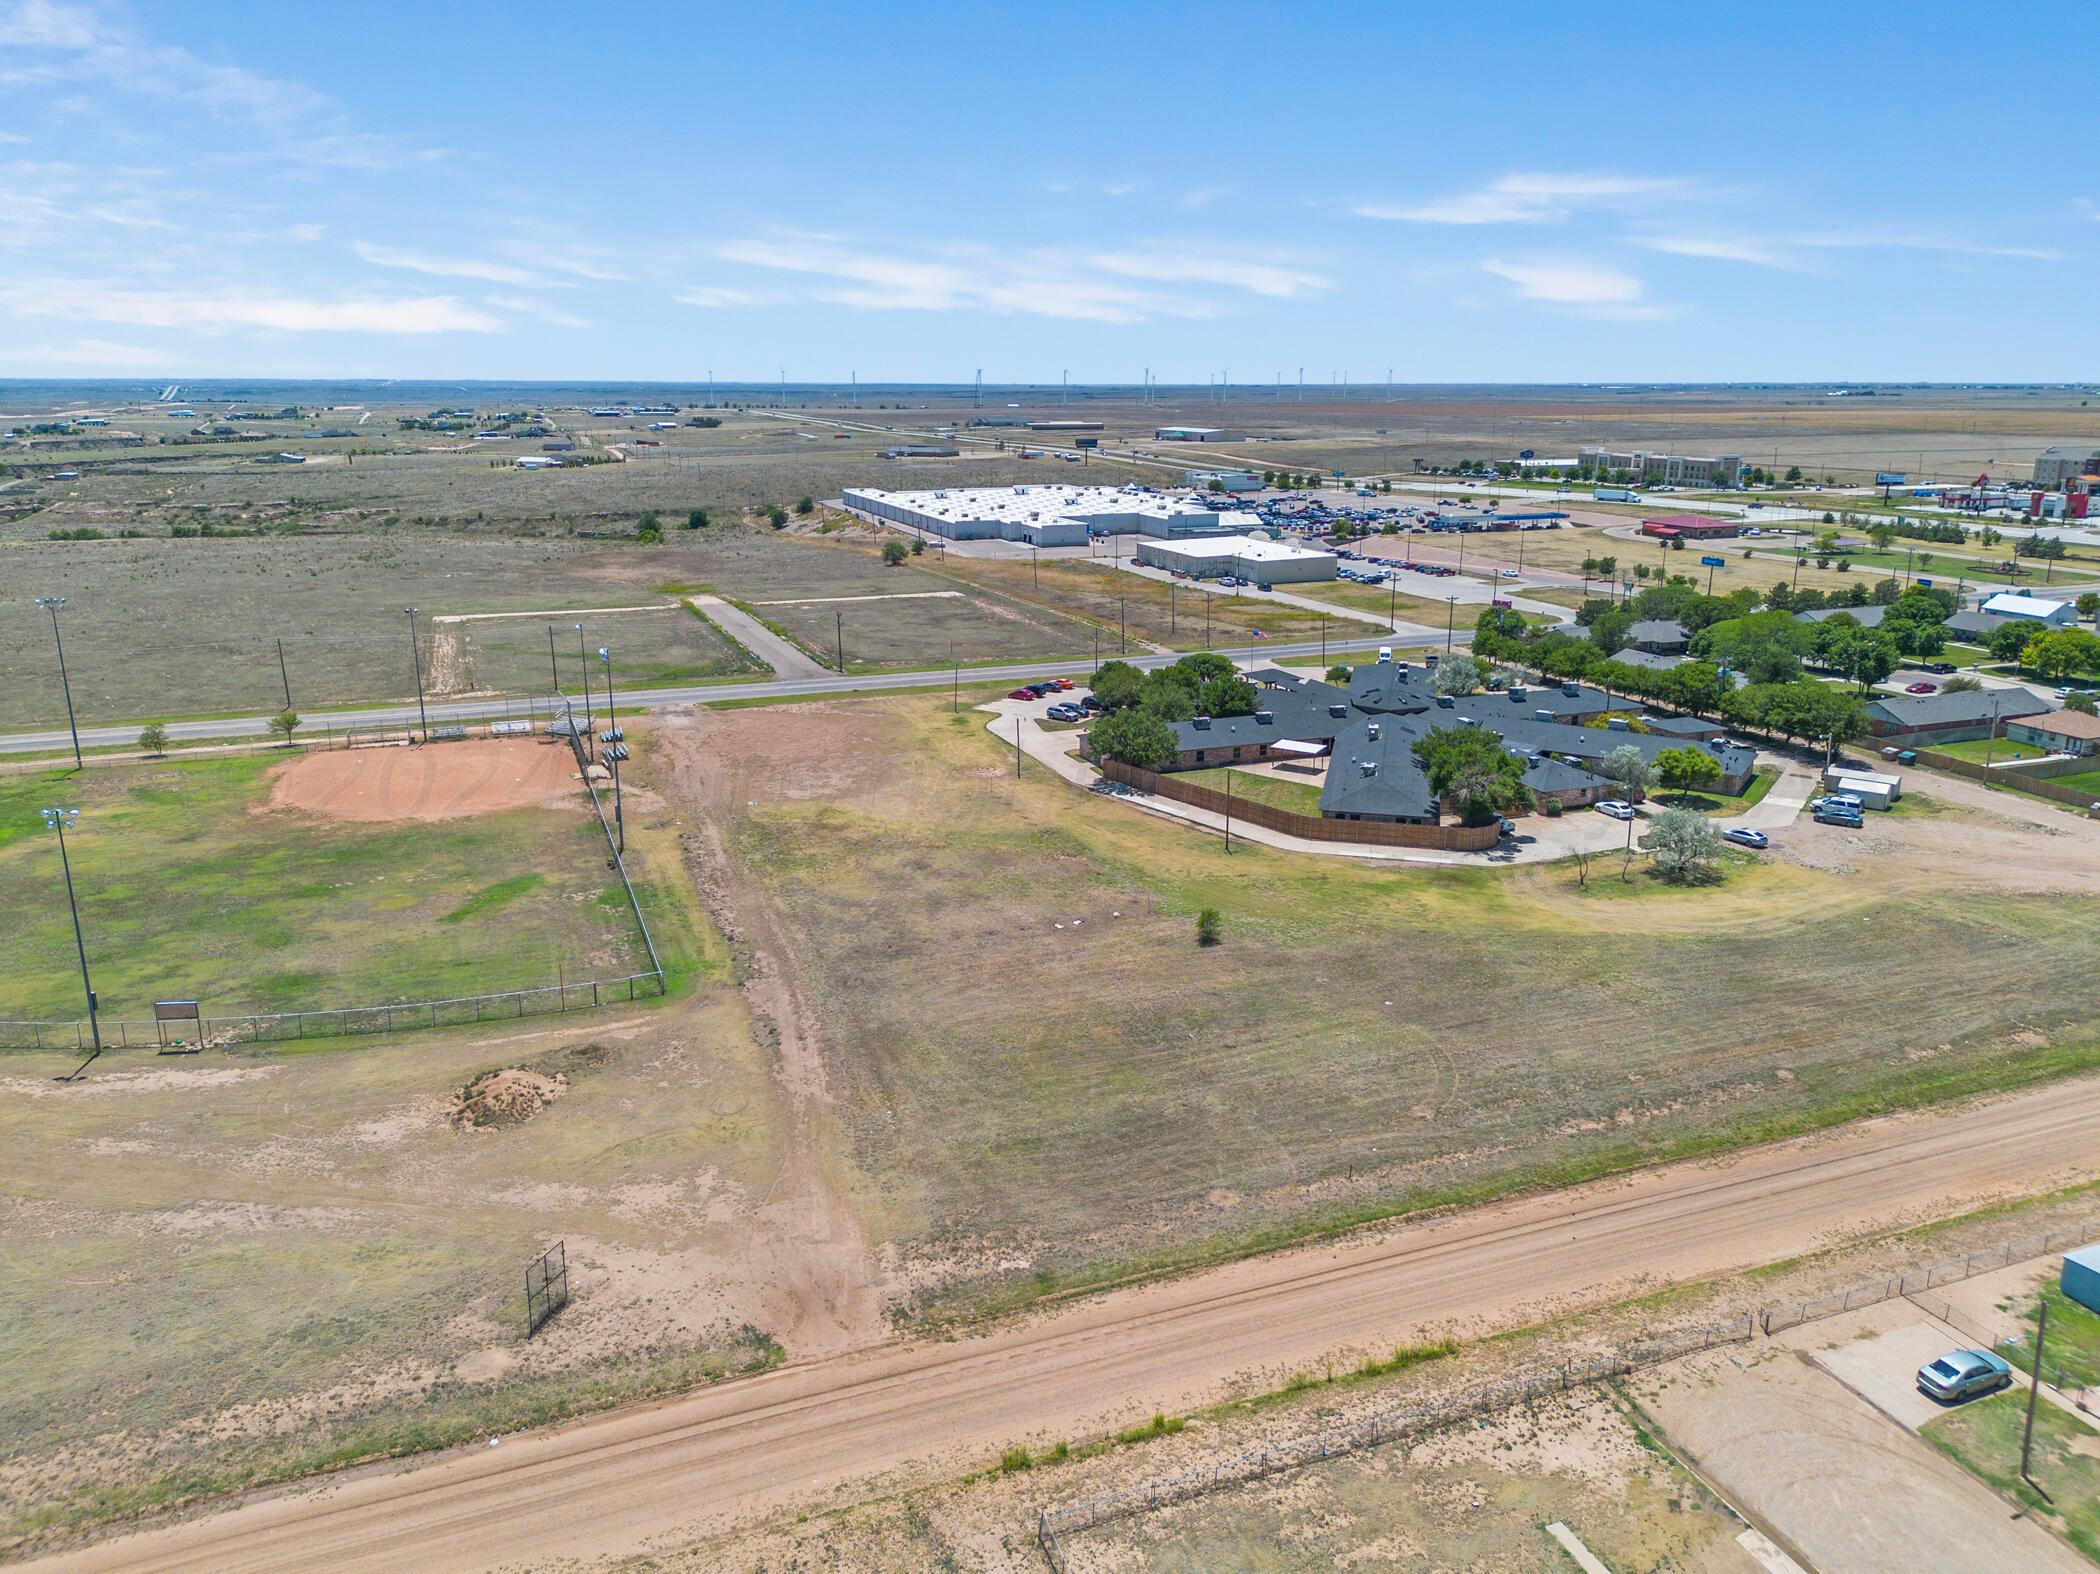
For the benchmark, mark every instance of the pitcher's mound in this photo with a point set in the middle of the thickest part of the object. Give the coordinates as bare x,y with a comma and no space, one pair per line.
438,781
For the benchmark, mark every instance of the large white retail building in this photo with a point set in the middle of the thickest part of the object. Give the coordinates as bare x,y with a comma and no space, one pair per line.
1048,515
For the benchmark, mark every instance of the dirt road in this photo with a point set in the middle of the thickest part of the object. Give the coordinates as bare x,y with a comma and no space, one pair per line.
651,1476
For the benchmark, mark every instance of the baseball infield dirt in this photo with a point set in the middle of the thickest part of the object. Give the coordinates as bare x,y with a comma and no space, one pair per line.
438,781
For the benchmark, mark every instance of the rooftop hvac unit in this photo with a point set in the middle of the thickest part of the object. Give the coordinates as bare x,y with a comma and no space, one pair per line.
1543,715
1616,724
1337,711
1444,702
1467,721
1369,767
1263,718
1201,724
1516,692
1571,689
1374,732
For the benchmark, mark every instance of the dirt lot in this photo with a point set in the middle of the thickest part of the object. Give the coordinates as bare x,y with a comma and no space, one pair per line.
1010,1134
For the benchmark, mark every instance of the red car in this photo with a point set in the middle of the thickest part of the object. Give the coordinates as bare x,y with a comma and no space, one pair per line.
1921,688
1020,694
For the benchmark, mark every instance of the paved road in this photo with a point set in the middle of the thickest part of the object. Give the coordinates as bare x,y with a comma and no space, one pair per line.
787,659
663,1473
831,683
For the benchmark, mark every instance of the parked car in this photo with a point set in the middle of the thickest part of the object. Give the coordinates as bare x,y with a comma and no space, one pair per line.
1838,814
1743,836
1921,688
1064,712
1962,1374
1062,684
1022,694
1617,808
1092,706
1941,667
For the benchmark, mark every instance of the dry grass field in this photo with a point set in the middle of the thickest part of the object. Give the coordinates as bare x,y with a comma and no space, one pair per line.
1045,1081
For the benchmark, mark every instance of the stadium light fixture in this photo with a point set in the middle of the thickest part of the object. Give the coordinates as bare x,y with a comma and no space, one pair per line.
61,821
53,605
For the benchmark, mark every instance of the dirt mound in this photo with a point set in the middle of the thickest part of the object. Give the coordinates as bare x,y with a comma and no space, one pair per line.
437,781
508,1096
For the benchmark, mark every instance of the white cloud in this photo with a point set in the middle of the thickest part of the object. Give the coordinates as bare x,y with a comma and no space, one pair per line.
305,233
585,262
442,267
1259,278
1583,288
1718,248
99,353
1109,287
1533,198
526,306
242,309
1911,241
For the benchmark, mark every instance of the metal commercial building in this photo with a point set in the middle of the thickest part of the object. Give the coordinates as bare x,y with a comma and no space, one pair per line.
1054,515
2055,468
1270,562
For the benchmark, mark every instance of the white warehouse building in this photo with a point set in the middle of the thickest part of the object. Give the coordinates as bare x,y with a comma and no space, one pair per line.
1046,516
1250,557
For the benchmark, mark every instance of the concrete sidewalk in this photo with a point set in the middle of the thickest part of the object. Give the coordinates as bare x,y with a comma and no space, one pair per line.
786,659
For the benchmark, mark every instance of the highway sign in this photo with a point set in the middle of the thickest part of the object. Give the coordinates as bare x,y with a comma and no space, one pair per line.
1891,477
1713,562
1926,583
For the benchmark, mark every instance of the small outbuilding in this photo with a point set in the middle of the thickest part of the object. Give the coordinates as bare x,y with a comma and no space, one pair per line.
2080,1280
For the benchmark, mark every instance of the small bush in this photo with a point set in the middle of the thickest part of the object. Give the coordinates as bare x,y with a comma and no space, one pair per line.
1161,1425
777,517
805,505
918,547
1015,1459
894,552
1210,929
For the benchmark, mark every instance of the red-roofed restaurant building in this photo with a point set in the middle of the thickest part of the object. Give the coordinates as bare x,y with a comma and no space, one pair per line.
1691,527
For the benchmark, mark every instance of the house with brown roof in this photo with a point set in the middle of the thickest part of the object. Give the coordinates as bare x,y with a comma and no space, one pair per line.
2058,731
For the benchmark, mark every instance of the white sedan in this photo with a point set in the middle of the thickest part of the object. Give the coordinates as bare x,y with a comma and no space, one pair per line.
1617,808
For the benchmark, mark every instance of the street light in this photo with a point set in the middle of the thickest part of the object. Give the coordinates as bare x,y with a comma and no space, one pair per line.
585,662
612,719
1450,613
416,651
58,820
52,604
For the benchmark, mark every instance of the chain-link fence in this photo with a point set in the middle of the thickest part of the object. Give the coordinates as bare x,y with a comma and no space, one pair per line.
1773,1319
1373,1431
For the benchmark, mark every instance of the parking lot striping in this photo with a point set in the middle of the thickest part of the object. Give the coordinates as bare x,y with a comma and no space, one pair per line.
557,612
1585,1559
902,595
1760,1547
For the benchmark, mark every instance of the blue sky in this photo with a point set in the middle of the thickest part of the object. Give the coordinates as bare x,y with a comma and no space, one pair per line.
1459,193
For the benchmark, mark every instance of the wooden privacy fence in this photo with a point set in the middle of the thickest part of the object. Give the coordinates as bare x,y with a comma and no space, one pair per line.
2008,776
1450,838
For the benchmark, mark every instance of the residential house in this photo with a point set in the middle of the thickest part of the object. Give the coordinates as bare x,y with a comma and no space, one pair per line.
1926,719
2058,731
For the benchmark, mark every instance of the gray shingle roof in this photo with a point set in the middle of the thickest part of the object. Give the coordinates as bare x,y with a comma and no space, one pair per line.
1868,616
1373,772
1924,710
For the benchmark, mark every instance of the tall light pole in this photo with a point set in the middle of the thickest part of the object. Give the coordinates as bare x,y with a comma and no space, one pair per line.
52,604
57,820
612,719
1450,617
585,661
416,650
553,667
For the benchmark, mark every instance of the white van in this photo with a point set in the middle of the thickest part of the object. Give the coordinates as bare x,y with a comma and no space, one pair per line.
1385,653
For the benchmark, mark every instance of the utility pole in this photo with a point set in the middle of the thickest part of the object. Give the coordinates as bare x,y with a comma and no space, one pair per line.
1228,810
1173,617
619,801
1122,625
1035,565
1017,748
955,684
839,619
57,820
612,720
1450,616
553,668
1392,603
283,676
416,651
52,604
2034,1391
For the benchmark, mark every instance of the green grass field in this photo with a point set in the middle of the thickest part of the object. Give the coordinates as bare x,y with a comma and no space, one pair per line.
1300,797
1984,1438
2074,1337
1980,749
190,888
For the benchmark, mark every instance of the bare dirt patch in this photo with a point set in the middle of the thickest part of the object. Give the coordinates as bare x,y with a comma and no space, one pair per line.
506,1097
437,782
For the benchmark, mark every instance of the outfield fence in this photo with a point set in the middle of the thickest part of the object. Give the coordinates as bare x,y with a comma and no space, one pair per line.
1052,1524
397,1016
2020,1248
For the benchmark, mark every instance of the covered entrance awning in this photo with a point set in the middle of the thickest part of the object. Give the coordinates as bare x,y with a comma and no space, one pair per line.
1296,746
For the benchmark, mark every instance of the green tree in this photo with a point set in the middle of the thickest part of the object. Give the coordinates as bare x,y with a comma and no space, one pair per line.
1695,686
1793,472
894,552
1118,685
777,517
284,724
1683,770
805,505
1457,674
1469,768
1685,846
2081,700
1627,766
696,520
1961,683
1210,928
1862,654
2088,604
1136,737
1339,674
1766,647
2008,640
153,738
2060,653
918,547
